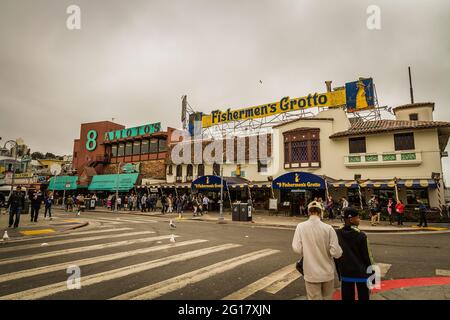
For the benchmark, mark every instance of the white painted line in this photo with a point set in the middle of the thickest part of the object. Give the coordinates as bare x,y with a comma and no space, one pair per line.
441,272
97,259
283,283
384,268
120,220
40,292
158,289
56,243
74,233
262,283
75,250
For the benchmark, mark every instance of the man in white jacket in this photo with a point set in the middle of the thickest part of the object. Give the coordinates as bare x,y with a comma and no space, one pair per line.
317,243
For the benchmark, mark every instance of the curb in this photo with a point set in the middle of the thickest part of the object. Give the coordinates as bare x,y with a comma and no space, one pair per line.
292,227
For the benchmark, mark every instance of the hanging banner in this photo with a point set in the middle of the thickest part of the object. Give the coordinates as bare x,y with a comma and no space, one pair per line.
356,96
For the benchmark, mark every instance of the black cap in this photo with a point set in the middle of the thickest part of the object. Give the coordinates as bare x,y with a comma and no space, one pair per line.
350,213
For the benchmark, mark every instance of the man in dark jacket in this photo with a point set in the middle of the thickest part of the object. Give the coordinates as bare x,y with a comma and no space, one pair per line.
36,201
422,213
16,202
356,258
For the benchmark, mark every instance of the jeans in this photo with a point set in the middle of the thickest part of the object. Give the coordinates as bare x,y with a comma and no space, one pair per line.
14,211
423,219
400,219
34,213
49,210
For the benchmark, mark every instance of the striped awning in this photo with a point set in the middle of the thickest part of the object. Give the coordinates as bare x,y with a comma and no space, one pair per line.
344,184
408,183
264,185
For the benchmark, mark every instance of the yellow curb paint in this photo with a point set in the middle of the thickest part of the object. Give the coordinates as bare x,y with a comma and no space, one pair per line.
35,232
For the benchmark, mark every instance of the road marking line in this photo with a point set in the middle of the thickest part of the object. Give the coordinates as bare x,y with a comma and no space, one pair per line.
55,243
75,233
260,284
384,268
158,289
76,250
119,220
34,232
441,272
54,288
97,259
277,286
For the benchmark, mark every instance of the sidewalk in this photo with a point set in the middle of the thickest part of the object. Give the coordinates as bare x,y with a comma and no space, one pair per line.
282,221
41,227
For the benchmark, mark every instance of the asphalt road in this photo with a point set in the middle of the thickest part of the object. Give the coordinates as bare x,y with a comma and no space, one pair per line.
127,256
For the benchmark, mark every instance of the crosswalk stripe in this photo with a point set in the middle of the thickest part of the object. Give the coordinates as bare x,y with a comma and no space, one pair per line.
97,259
76,233
158,289
261,283
384,268
441,272
54,288
282,283
77,250
119,220
55,243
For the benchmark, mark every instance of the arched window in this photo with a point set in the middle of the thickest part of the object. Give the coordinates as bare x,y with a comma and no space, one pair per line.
216,169
179,176
189,172
201,170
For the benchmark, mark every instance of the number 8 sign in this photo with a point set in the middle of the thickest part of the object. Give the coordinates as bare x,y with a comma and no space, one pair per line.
91,142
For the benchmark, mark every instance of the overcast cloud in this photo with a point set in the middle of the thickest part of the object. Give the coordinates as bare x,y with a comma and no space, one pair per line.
133,60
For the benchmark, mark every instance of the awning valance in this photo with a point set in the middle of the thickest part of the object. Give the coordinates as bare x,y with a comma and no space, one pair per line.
410,183
113,182
214,182
59,183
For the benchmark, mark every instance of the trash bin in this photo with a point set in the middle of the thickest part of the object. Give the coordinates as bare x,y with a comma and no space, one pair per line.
26,207
245,212
235,212
92,204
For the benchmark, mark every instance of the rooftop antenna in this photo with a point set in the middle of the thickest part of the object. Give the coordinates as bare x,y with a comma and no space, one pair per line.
410,86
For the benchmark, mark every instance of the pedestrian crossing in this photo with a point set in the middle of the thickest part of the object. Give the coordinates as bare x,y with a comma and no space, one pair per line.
191,262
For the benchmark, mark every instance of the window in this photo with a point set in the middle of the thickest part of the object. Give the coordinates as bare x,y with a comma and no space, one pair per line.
190,172
201,170
114,150
301,146
169,170
262,165
136,148
153,146
404,141
74,154
162,145
413,116
413,194
128,148
216,169
144,147
357,145
121,150
179,176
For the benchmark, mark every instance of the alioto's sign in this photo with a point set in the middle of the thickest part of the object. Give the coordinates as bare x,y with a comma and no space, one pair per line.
356,96
133,132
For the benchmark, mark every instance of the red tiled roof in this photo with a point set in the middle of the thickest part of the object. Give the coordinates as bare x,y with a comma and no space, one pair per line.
300,119
414,105
379,126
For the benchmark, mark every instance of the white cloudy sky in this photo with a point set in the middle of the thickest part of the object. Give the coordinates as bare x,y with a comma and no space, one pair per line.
133,60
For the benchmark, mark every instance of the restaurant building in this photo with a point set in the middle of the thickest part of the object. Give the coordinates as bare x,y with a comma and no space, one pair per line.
333,154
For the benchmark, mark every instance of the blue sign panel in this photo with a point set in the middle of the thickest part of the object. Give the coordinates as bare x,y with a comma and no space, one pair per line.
298,180
208,182
359,95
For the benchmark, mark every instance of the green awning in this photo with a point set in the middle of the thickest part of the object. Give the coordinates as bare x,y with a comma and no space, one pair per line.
111,182
63,183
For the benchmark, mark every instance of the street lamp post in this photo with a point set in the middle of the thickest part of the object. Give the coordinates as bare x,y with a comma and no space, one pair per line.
14,165
221,195
117,186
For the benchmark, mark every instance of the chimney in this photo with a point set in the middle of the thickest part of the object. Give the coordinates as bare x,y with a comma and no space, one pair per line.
328,83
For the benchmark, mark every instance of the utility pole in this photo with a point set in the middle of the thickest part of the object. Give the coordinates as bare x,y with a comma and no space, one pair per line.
410,86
